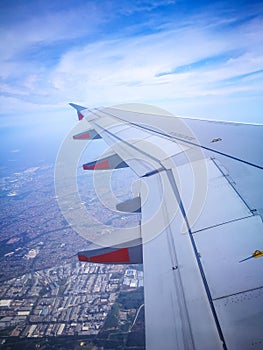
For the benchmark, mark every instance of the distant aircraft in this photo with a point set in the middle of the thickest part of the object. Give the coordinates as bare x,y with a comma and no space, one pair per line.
200,198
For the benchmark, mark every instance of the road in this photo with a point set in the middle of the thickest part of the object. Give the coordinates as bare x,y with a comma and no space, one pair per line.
136,316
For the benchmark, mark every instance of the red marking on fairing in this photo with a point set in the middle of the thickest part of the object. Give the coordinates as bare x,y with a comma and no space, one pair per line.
98,165
80,116
85,135
120,255
117,256
82,257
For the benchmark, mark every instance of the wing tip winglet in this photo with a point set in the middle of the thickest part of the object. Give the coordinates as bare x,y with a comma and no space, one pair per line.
78,108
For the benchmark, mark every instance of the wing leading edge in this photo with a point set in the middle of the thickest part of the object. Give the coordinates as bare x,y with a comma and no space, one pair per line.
201,216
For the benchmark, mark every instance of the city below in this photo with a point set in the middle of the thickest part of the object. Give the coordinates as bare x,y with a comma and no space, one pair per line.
45,292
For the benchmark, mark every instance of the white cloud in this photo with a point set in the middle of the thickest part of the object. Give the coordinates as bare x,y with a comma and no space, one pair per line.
127,7
127,68
49,27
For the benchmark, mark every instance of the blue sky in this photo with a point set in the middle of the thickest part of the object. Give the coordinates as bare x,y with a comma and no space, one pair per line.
194,58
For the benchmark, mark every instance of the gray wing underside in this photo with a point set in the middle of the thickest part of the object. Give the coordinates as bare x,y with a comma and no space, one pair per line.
201,193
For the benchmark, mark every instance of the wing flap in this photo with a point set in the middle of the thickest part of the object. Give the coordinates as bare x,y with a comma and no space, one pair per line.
175,296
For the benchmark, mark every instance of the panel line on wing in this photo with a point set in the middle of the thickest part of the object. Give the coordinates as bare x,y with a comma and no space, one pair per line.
130,145
182,140
238,293
221,224
231,184
173,150
209,296
177,275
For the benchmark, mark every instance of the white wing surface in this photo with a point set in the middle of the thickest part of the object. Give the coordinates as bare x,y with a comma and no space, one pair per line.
201,194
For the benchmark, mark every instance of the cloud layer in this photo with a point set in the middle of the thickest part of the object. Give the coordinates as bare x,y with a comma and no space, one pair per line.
144,52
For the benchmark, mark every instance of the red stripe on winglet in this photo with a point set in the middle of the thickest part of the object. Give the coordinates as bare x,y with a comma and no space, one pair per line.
98,165
85,135
80,116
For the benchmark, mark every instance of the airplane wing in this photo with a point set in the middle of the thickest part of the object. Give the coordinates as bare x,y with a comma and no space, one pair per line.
201,232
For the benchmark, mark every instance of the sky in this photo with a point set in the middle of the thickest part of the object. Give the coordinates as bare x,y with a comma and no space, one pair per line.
193,58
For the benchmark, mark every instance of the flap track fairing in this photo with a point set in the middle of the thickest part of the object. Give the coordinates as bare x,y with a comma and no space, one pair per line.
112,161
112,255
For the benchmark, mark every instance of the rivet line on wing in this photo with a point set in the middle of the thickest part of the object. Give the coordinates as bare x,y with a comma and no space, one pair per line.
185,141
130,145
